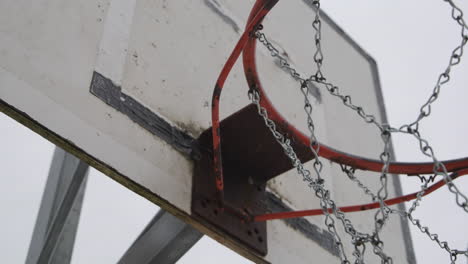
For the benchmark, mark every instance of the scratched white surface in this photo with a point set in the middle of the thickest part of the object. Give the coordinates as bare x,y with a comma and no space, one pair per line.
167,56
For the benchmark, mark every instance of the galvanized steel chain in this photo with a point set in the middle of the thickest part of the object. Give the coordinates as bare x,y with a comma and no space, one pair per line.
359,239
413,128
315,184
376,242
327,204
274,52
349,171
381,215
417,222
455,58
439,168
425,110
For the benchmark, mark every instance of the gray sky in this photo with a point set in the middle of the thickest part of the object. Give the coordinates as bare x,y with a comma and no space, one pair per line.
410,40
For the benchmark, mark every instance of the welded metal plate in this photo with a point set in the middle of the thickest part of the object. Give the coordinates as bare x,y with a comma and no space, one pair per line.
244,189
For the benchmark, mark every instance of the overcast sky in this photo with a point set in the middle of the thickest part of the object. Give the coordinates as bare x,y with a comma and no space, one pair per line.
411,41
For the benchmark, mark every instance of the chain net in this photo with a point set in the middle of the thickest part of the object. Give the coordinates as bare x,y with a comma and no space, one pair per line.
333,215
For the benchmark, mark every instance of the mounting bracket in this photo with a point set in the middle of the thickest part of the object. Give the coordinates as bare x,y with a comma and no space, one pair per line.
250,158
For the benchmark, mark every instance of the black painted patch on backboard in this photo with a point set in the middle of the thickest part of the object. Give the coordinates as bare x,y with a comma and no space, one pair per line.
112,95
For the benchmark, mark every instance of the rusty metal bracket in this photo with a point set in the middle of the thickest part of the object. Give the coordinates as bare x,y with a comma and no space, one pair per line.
250,158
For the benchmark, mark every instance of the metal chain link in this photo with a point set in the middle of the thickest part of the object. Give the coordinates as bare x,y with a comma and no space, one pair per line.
317,185
461,199
416,222
381,215
359,239
274,52
318,58
455,59
327,204
425,110
349,171
439,167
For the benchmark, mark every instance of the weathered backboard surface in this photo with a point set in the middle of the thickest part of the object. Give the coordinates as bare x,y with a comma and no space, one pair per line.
126,85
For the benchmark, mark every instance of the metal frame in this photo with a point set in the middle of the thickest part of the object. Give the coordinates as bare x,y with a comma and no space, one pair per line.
165,240
57,221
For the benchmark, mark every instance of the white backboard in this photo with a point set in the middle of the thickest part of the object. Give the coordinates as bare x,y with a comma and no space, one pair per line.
126,86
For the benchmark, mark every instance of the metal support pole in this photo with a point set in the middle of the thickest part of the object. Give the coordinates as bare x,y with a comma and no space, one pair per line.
164,240
57,221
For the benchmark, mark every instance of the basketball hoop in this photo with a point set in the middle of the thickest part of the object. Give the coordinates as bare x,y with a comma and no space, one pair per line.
279,127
